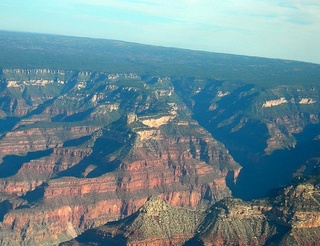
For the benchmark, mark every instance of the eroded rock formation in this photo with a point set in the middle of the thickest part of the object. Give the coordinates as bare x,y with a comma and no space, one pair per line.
81,148
78,165
280,220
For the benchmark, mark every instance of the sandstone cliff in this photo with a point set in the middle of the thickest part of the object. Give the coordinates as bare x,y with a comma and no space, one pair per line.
271,129
96,150
289,218
155,223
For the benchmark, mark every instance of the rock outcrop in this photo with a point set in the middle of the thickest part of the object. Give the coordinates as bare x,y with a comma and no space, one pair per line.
289,218
155,223
270,129
273,103
165,168
77,164
37,139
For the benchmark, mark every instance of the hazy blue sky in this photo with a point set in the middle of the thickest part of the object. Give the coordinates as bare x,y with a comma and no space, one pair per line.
287,29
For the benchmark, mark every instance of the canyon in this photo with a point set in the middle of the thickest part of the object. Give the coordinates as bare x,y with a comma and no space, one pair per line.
130,138
66,176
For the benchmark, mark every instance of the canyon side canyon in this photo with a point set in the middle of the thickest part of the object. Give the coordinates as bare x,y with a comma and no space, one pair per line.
179,147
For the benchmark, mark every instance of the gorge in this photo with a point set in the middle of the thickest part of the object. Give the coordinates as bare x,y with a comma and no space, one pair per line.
91,129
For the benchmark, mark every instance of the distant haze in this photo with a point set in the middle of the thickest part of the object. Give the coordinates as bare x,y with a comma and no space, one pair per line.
287,29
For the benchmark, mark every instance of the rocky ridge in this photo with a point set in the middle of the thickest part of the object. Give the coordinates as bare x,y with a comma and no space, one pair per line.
278,220
80,164
266,141
155,223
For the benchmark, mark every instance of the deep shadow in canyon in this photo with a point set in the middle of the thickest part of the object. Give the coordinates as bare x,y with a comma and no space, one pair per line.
275,170
12,163
261,172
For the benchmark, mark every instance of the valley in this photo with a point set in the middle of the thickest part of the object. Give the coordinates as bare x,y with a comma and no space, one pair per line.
89,135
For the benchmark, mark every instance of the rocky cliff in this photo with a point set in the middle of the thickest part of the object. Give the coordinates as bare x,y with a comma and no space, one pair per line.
89,129
291,217
271,129
79,162
155,223
102,144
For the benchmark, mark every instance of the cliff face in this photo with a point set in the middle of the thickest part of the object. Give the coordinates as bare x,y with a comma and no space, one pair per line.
289,218
282,219
95,150
165,168
270,129
37,139
92,147
155,223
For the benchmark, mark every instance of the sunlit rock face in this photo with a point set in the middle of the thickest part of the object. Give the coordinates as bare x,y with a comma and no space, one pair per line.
90,129
78,164
290,217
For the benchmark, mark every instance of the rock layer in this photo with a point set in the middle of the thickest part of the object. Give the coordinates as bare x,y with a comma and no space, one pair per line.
289,218
79,163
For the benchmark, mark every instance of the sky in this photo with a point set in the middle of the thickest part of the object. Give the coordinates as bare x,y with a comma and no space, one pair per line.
285,29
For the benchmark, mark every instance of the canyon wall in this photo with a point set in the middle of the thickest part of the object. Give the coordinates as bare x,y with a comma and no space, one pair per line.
289,217
77,164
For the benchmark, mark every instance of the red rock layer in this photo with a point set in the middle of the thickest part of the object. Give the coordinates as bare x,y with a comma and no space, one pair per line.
32,174
37,139
163,167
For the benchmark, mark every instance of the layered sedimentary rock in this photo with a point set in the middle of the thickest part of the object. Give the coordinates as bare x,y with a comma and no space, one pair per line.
98,146
281,220
36,139
155,223
79,163
270,129
289,218
164,166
